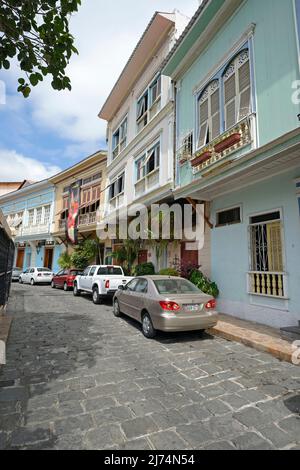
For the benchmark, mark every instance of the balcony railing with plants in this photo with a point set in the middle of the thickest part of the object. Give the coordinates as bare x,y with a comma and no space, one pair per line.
211,155
87,219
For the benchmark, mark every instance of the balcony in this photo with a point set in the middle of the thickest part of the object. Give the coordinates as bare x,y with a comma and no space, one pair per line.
87,219
149,182
213,155
269,284
34,230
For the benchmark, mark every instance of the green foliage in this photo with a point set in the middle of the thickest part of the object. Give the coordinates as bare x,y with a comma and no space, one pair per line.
204,284
79,260
84,253
144,269
128,253
36,32
65,261
169,272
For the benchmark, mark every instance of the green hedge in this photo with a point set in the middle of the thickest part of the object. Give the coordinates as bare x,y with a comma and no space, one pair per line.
204,284
169,272
145,269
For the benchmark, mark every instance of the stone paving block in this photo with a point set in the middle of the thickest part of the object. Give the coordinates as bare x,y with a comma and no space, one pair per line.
279,438
71,396
70,442
29,435
144,407
217,407
76,423
104,437
194,413
250,416
220,445
136,444
251,441
224,427
234,400
96,404
13,394
167,441
3,440
292,426
168,419
116,414
139,427
195,434
70,408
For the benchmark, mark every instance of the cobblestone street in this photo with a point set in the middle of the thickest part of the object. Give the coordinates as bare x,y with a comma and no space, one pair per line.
79,378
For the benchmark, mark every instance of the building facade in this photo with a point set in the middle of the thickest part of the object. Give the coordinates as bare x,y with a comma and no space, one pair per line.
236,76
90,175
29,213
140,131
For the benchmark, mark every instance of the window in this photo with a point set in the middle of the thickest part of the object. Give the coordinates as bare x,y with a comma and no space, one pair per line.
148,104
229,217
119,138
148,163
178,286
30,217
267,264
92,271
142,286
237,89
47,215
209,113
38,219
117,187
110,271
226,100
132,285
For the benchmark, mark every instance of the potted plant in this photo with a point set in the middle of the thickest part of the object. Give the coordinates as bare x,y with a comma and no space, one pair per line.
228,142
202,158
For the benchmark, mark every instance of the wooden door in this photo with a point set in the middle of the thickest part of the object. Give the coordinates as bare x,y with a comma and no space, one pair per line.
143,257
48,260
189,257
20,258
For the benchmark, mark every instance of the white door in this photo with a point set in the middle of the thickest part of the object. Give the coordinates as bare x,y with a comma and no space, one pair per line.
89,278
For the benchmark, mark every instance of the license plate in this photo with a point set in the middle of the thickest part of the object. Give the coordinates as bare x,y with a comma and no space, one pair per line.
192,308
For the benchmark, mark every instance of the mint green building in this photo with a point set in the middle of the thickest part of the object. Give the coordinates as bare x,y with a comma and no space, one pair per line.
236,81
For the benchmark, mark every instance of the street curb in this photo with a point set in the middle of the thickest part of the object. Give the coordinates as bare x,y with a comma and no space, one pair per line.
277,347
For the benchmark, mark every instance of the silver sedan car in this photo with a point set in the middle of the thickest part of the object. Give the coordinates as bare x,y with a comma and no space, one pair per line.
165,303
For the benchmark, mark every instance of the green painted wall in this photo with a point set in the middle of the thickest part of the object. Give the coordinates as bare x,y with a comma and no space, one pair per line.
276,68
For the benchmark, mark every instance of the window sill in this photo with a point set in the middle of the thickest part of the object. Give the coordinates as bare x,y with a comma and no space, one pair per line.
269,296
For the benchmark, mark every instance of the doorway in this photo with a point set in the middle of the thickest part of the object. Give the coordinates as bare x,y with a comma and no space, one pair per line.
143,257
48,260
20,258
189,257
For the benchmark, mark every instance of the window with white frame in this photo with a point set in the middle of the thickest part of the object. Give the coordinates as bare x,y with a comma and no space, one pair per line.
117,187
267,275
237,89
226,100
30,217
39,214
47,211
149,103
209,113
148,162
119,139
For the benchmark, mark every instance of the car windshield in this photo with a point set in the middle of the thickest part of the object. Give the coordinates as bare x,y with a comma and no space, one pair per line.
43,270
110,271
75,273
175,286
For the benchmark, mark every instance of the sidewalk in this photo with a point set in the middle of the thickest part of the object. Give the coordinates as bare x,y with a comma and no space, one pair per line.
260,337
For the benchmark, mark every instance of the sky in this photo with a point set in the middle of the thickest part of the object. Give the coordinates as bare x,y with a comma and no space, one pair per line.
51,130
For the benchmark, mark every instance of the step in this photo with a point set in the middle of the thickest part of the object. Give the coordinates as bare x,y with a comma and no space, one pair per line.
291,333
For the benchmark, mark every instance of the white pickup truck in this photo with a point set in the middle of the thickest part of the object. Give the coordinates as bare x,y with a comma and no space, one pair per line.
100,281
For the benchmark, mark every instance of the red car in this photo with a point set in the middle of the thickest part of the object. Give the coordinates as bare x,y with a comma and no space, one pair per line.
65,279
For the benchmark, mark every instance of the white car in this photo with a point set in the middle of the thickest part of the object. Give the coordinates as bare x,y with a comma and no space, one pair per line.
100,281
36,276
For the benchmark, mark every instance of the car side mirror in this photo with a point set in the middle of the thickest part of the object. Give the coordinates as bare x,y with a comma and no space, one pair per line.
121,287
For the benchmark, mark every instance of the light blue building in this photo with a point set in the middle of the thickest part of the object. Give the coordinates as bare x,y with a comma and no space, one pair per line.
236,80
30,214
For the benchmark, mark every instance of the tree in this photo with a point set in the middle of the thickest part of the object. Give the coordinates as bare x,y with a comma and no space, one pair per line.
36,32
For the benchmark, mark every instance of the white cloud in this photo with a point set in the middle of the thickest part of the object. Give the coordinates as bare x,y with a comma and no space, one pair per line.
16,167
105,33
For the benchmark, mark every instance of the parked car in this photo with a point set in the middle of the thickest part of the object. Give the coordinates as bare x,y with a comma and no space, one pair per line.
100,281
65,279
16,272
36,276
165,303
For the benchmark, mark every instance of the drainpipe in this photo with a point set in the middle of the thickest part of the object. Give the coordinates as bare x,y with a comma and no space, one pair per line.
174,135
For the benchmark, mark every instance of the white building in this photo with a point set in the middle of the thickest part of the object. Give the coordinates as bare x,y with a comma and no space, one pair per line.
140,133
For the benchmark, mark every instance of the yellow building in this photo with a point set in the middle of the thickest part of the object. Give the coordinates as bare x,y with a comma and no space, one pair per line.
89,176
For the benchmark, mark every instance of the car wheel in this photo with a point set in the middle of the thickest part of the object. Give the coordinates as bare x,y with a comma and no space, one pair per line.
53,285
96,297
20,280
76,291
32,282
66,288
117,312
147,327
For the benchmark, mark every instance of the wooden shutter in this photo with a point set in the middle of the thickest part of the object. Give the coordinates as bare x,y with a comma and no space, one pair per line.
203,123
274,244
230,101
244,89
215,113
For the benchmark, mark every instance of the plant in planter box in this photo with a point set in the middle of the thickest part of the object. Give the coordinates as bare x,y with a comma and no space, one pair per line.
203,283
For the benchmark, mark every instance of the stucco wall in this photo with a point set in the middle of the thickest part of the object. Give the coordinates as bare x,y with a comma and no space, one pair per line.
230,252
